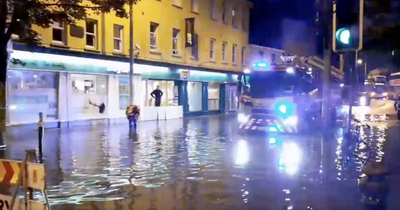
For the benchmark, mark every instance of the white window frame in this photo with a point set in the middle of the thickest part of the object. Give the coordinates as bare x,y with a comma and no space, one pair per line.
94,34
121,33
224,46
234,14
224,9
194,7
56,26
234,50
213,10
212,49
175,40
153,35
177,3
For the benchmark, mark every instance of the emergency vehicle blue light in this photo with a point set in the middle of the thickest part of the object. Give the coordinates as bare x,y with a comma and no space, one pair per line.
272,129
284,108
262,65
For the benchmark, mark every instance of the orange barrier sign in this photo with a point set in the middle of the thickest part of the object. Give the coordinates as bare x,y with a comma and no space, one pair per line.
32,176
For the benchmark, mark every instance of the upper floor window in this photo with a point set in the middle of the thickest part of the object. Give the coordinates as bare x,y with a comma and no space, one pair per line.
177,3
244,19
194,5
153,36
243,55
234,53
224,44
59,32
212,51
195,48
91,34
175,41
118,31
213,10
224,10
234,16
273,59
261,54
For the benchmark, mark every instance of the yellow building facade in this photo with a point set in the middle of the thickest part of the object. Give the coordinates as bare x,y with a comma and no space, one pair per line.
225,23
88,63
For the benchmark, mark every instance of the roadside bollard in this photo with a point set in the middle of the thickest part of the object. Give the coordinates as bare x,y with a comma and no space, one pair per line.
374,186
41,133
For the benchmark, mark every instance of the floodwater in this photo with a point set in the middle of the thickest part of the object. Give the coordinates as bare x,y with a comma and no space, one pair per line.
204,163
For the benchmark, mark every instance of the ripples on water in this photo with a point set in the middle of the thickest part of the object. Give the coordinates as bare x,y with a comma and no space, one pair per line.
198,164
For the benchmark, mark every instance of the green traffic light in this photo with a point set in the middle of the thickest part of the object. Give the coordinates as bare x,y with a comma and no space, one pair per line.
343,35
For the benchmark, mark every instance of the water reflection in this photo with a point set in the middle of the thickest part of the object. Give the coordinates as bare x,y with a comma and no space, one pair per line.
198,164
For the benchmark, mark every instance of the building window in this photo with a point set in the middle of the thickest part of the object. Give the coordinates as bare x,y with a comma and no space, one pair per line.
124,92
224,44
59,33
234,53
224,9
243,55
213,10
213,95
195,96
177,3
91,34
261,54
195,48
175,41
244,20
153,36
273,59
194,5
234,17
30,92
118,31
212,51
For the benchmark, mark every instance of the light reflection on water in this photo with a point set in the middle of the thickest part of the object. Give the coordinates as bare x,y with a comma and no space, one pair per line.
197,164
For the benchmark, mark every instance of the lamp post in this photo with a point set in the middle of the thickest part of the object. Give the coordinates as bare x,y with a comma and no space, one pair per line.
131,52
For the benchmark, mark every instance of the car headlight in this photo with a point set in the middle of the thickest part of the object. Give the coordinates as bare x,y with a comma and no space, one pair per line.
373,93
363,101
385,94
242,118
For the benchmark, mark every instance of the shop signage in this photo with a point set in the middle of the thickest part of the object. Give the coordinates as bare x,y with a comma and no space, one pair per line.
118,70
185,74
189,27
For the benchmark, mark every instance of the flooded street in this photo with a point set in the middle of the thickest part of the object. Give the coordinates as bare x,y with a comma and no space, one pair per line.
204,163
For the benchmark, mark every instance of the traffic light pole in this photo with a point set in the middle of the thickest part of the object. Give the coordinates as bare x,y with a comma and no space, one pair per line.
351,93
326,111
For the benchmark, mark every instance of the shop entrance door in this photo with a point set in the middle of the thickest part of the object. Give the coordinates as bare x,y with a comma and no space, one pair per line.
233,99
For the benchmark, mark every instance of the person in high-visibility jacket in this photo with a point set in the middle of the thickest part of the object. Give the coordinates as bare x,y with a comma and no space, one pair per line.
132,114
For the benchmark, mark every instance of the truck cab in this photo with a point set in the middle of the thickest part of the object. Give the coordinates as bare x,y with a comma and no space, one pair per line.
279,99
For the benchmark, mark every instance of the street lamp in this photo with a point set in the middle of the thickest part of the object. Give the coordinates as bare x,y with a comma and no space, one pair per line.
360,61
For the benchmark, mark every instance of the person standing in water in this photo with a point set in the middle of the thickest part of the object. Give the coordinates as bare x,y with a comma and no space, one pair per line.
157,94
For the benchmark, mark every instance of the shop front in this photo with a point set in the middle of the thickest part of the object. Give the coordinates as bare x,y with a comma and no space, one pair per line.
66,89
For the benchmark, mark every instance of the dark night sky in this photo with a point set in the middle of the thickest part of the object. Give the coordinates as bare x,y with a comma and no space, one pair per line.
266,16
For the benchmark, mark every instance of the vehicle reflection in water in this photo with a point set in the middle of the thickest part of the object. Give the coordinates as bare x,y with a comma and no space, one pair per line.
199,164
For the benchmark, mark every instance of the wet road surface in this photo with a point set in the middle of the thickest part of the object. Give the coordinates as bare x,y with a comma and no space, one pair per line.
204,163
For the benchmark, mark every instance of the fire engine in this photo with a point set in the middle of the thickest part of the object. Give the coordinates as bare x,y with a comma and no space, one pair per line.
278,99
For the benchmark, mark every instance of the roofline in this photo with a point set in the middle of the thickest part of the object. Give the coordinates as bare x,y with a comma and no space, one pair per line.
265,48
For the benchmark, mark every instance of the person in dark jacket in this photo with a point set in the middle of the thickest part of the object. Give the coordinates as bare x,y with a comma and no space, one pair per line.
157,94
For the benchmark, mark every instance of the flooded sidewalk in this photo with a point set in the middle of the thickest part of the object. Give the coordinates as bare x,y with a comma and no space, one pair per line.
200,163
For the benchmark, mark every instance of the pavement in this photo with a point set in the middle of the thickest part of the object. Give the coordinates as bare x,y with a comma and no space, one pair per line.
205,163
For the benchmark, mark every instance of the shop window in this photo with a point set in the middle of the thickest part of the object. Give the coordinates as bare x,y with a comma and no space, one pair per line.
124,92
213,96
170,92
87,89
195,96
31,92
